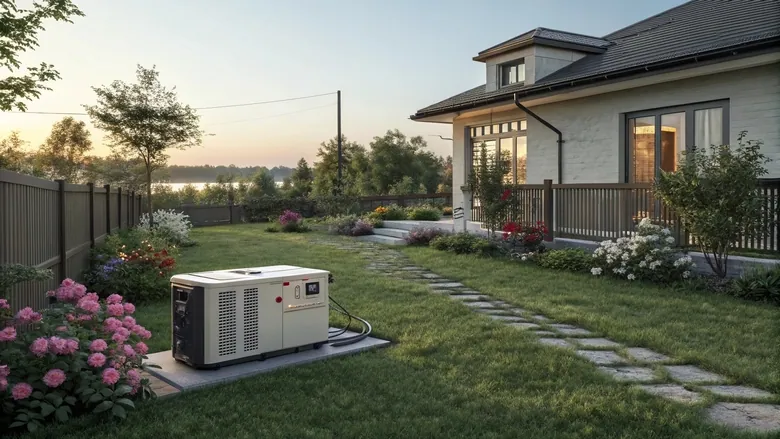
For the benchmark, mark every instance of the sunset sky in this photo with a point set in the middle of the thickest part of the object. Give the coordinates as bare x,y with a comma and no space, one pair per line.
389,58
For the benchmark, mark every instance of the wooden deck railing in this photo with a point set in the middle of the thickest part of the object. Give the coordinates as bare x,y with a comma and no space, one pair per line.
601,211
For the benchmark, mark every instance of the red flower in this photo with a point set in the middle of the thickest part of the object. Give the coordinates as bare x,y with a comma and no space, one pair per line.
505,196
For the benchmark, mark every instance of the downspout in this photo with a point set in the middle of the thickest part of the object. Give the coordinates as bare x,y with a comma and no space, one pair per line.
555,130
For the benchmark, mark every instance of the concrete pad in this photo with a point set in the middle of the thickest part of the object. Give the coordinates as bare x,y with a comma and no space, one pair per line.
739,392
601,357
646,355
764,418
446,285
629,374
523,325
673,392
693,375
597,343
184,377
555,342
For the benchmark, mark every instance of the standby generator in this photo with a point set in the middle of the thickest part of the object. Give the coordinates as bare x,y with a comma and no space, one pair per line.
230,316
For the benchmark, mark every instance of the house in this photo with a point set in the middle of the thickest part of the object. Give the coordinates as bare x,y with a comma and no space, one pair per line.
579,109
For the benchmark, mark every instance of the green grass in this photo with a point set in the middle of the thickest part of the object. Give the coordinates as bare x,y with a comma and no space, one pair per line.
450,372
723,334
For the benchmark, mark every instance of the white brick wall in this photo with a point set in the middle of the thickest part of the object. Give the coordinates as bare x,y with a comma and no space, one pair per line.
591,130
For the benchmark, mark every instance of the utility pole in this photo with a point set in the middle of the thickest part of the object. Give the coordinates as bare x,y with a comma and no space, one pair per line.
338,134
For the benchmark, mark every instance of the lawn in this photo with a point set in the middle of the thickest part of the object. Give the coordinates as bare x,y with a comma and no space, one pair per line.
450,373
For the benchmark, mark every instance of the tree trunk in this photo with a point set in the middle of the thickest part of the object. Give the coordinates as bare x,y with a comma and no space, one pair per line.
149,195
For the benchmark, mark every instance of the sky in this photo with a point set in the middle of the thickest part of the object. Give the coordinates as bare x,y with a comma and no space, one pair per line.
388,58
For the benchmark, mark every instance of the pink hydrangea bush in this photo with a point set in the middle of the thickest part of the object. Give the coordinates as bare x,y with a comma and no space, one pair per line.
81,355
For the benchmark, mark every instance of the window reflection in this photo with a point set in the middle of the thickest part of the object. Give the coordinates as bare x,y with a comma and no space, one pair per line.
672,140
642,145
505,152
521,155
708,127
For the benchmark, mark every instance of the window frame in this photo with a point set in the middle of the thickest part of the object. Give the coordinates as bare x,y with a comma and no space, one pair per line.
497,138
657,113
517,63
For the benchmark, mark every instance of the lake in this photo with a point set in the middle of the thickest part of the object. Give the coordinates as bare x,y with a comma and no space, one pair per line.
198,186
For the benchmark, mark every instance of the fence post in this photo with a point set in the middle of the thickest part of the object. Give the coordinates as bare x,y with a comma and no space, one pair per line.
63,231
91,214
548,210
108,209
230,204
131,207
119,207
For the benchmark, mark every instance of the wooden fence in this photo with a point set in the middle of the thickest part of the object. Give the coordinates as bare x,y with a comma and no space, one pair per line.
370,203
213,215
53,225
597,212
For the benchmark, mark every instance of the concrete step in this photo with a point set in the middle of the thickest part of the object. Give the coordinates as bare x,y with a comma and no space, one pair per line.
401,225
379,239
395,233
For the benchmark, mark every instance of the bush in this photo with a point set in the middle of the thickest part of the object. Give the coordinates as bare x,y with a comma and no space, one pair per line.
423,235
424,214
465,243
140,274
13,274
569,259
394,212
269,207
174,227
761,284
272,229
447,211
350,225
292,222
374,220
648,255
524,239
81,355
362,228
335,205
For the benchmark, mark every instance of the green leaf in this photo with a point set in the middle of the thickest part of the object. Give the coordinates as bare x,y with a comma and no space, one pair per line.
61,365
122,390
16,424
32,427
119,411
88,392
46,409
96,397
70,400
62,414
106,392
34,404
103,406
125,402
37,395
54,398
22,417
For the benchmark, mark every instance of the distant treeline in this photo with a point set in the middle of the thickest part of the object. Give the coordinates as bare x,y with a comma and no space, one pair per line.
208,173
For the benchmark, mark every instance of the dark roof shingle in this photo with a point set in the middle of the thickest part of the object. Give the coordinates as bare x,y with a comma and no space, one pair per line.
694,28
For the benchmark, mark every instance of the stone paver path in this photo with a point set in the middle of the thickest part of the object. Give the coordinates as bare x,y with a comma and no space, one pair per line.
652,372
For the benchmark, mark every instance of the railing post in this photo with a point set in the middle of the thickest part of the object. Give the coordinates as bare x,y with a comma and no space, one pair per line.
548,210
108,208
133,215
91,214
63,244
119,207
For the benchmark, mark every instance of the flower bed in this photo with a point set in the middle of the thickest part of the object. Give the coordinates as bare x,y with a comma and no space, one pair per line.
81,355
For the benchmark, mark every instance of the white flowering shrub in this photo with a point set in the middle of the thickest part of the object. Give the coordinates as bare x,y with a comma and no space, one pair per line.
647,255
170,225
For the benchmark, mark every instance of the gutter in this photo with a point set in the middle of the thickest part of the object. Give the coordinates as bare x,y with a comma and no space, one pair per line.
720,53
553,129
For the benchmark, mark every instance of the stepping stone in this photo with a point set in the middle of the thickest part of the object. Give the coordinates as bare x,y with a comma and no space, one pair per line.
554,341
764,418
467,291
673,392
739,392
431,276
597,343
447,285
692,374
646,355
569,329
481,305
516,310
500,303
629,374
524,325
412,268
545,333
540,318
508,318
601,357
465,297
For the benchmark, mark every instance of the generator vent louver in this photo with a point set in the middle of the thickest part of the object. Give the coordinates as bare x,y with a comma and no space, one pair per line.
226,323
251,316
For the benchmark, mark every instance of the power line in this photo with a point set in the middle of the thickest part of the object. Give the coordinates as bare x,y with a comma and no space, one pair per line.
199,108
269,116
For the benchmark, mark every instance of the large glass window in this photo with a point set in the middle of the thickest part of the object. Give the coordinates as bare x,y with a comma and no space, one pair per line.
520,159
505,141
513,72
655,139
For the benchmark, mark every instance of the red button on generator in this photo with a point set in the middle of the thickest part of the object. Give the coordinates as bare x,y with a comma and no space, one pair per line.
278,299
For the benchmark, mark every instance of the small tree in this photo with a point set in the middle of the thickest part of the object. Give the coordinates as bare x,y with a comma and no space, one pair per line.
63,153
487,185
144,120
715,196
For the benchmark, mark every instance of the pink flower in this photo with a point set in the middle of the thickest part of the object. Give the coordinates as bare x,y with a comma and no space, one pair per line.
129,308
115,309
128,322
89,305
67,283
58,345
96,360
27,315
112,324
54,378
146,335
8,334
4,304
110,376
3,384
70,317
85,317
118,362
137,329
61,329
4,371
39,347
128,350
141,348
51,293
21,391
79,290
134,379
121,335
98,345
72,345
114,299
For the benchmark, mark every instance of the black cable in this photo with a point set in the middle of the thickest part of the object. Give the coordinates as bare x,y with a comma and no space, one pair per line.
364,333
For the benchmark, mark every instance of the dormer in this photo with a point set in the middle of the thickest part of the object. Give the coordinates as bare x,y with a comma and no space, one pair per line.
533,55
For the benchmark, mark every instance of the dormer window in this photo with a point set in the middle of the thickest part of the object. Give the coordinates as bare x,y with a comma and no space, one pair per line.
513,72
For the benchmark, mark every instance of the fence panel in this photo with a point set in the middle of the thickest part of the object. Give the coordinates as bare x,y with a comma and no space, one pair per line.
207,215
369,203
99,214
114,210
77,239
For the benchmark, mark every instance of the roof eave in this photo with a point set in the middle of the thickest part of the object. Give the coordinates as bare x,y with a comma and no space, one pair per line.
490,53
